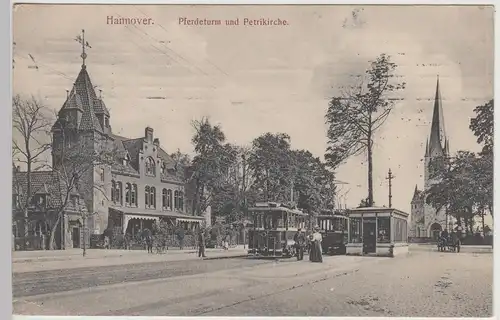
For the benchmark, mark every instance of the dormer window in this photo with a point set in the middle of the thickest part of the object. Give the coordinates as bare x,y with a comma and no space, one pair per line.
74,200
150,167
39,200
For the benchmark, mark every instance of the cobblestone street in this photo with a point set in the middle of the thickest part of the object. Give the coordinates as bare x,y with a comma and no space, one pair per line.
426,283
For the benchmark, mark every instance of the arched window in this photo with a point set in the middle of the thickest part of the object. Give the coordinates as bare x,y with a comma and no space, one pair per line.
181,201
152,201
128,191
150,166
119,192
113,188
176,199
169,199
164,198
146,196
133,195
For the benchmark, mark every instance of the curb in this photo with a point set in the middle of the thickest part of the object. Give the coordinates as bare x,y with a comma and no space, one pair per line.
226,257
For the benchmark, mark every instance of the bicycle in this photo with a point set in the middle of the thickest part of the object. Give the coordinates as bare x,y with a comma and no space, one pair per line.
159,247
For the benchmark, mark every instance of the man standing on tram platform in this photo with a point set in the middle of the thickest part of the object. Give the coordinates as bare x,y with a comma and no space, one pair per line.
300,241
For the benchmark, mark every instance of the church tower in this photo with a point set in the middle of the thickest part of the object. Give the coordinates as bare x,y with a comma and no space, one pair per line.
425,221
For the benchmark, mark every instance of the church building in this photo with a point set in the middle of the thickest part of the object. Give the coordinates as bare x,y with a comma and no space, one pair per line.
426,221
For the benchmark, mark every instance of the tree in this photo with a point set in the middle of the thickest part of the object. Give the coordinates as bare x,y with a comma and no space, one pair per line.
180,159
482,126
30,120
356,115
76,161
271,163
459,191
211,163
313,182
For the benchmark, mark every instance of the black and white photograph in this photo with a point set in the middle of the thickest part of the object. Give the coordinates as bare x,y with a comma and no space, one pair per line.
252,160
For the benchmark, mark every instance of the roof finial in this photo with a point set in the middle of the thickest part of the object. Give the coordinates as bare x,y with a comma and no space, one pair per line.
67,93
100,94
81,40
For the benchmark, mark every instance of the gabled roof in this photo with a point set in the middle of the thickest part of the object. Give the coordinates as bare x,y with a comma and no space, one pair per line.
45,183
132,147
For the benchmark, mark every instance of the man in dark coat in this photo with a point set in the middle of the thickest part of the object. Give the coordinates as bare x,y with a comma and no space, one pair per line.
201,243
148,236
300,241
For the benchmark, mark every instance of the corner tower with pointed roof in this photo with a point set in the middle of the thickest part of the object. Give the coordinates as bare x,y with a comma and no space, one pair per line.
83,122
426,221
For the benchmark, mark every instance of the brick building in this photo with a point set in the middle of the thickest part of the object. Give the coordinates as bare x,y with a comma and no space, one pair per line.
142,184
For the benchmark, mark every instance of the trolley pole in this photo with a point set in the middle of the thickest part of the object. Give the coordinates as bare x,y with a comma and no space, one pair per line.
390,177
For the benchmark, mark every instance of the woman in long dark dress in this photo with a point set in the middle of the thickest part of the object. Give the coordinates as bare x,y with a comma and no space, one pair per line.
316,254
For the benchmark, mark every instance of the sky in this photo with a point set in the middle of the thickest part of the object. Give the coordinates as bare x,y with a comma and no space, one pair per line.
256,79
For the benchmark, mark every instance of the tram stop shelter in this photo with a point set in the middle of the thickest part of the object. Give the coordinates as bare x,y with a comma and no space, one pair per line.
377,231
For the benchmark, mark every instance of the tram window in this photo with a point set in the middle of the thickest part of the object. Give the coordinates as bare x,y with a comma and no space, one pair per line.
384,229
355,232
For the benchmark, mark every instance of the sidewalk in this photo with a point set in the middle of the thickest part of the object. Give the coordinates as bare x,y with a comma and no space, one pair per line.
100,258
463,248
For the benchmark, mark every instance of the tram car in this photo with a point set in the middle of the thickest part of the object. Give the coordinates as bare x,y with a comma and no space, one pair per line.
334,228
274,227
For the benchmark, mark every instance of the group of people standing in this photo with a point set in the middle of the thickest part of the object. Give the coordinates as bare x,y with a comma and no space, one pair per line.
314,240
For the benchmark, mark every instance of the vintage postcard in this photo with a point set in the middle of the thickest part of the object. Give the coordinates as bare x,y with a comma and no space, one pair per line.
252,160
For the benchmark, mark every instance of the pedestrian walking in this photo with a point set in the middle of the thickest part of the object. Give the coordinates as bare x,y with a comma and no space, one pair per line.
300,241
226,240
148,237
316,254
201,243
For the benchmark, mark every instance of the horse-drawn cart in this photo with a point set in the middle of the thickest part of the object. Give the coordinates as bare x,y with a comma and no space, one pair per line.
448,244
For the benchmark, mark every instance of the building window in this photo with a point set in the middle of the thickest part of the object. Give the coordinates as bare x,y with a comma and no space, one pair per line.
74,200
169,199
152,201
355,232
150,166
384,229
133,195
106,121
162,168
164,198
113,190
102,175
15,201
176,199
181,201
128,191
400,230
150,197
118,193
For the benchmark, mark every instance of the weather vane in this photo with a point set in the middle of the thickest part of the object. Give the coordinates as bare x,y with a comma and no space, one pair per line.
81,40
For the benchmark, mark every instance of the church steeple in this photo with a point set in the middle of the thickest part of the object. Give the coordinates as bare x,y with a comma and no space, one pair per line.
437,140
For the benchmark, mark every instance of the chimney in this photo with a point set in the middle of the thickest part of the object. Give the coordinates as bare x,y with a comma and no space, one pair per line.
149,134
67,93
18,169
156,142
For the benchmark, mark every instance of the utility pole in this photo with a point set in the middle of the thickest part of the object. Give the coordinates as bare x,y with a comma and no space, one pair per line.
244,193
390,177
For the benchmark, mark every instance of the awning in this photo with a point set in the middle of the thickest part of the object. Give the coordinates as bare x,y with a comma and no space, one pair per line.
187,220
131,216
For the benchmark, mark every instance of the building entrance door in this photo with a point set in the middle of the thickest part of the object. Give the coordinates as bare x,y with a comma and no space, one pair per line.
75,236
369,236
